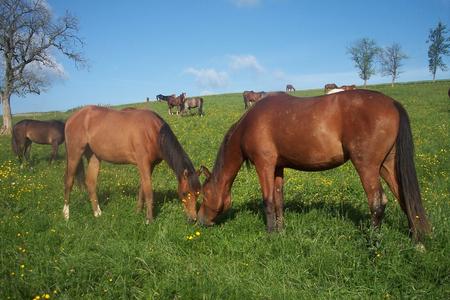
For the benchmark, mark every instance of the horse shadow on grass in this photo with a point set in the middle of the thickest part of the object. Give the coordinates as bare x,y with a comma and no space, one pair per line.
296,205
337,210
160,197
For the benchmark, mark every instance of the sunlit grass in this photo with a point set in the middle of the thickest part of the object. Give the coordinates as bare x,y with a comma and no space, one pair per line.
327,249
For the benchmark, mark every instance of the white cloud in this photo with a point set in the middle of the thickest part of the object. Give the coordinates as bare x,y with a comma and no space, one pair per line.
246,3
239,62
208,78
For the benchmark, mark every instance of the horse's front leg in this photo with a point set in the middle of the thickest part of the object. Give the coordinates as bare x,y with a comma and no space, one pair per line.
91,183
146,189
278,198
54,152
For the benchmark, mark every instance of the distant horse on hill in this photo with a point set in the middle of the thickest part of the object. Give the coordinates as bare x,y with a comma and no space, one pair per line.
161,97
290,88
193,102
173,101
129,136
40,132
329,86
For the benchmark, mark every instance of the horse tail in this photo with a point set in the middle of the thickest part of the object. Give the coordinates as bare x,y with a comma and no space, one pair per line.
409,191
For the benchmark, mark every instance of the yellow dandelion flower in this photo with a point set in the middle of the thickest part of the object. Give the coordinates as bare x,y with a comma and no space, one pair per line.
47,296
22,266
197,233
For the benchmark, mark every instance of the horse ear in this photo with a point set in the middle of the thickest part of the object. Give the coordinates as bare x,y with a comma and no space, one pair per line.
205,171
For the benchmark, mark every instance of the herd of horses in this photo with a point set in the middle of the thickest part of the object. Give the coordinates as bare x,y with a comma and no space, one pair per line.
277,131
182,103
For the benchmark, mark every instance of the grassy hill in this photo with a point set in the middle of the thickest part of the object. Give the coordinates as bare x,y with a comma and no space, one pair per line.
327,249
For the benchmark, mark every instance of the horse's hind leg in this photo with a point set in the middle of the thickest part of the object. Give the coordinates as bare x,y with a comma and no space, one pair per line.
140,200
278,198
26,149
388,174
266,180
369,176
91,183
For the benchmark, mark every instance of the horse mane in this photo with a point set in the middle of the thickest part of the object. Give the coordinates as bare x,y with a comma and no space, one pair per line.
175,156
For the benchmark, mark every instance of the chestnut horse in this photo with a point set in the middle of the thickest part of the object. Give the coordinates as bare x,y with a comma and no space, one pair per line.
130,136
319,133
176,101
193,102
41,132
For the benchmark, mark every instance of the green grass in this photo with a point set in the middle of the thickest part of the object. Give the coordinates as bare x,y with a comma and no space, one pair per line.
327,249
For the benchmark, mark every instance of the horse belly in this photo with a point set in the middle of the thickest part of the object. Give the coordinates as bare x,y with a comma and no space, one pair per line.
313,155
112,150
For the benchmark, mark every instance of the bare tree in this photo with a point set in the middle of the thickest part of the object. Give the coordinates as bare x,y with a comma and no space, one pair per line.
29,35
439,46
391,61
363,53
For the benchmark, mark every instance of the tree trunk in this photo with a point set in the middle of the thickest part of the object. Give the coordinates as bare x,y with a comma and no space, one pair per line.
7,116
393,81
365,83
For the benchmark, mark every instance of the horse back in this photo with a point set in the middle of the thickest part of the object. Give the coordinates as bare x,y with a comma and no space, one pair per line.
115,136
40,132
320,132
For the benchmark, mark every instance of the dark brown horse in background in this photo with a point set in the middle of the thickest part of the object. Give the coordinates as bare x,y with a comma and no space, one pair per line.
130,136
173,101
28,131
290,88
193,102
319,133
161,97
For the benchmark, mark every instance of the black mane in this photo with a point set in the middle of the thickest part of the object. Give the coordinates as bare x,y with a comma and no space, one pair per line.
176,157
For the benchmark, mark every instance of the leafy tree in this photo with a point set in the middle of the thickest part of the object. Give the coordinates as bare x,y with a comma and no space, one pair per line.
439,46
391,60
29,36
363,53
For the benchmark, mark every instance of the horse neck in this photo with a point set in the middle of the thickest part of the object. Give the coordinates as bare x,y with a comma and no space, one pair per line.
227,165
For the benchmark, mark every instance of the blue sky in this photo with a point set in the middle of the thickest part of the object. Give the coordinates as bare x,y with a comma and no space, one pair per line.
137,49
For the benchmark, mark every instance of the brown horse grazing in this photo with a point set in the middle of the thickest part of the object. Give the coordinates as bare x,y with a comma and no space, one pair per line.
290,88
329,86
314,134
194,102
130,136
176,101
41,132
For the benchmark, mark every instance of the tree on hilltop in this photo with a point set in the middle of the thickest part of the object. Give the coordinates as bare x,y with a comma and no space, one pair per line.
391,60
363,53
439,47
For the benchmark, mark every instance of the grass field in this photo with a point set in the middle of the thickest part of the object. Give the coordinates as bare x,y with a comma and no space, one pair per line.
326,251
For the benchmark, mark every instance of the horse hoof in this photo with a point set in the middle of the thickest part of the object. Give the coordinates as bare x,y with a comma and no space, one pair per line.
66,211
98,212
421,248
